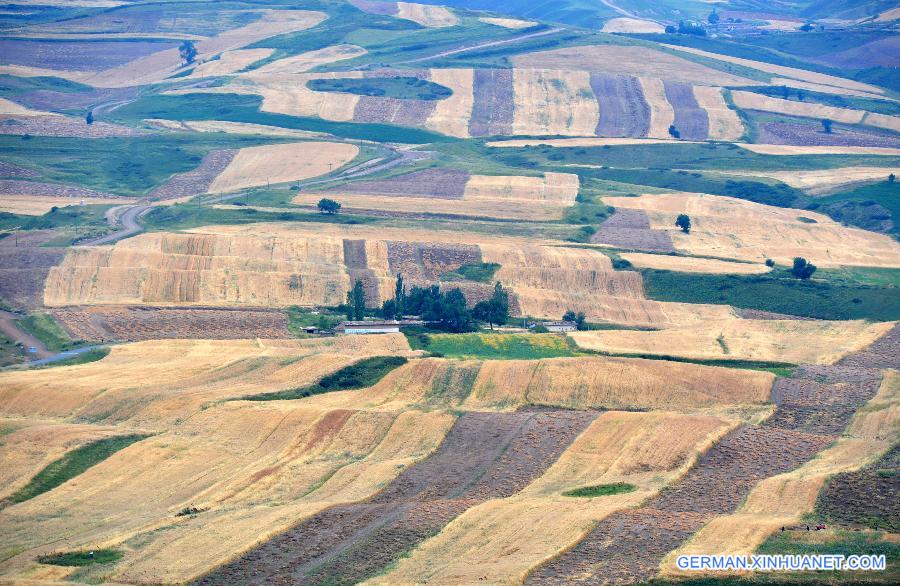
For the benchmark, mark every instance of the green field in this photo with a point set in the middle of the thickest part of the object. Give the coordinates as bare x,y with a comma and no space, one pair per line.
43,327
495,346
81,558
401,88
601,490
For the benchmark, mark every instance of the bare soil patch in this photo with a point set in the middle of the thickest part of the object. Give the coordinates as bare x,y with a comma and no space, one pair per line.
623,109
631,229
24,266
434,183
63,126
198,180
493,108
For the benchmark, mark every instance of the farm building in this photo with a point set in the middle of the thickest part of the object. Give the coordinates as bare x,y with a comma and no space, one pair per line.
560,326
368,327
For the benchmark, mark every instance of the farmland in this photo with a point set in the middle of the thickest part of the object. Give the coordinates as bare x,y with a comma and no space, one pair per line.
642,257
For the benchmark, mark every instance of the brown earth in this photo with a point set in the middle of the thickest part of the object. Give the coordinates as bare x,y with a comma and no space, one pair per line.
868,497
24,266
133,324
16,187
63,126
631,229
484,456
198,180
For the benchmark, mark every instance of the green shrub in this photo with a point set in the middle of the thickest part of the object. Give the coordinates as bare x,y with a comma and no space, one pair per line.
601,490
81,558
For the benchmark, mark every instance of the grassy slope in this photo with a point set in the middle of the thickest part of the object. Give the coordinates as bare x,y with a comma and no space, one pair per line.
43,327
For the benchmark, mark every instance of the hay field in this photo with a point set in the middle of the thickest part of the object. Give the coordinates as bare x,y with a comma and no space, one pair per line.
310,60
511,23
451,116
638,61
795,341
687,264
743,230
783,149
785,499
836,84
10,108
280,163
230,62
426,15
499,541
724,123
553,102
631,25
882,121
662,115
38,205
753,101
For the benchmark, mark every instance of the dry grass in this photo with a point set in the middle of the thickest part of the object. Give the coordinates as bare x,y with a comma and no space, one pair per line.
752,101
38,205
499,541
10,108
426,15
798,342
554,102
560,188
688,264
451,116
784,499
882,121
784,149
801,74
230,62
512,23
628,60
631,25
821,181
311,59
724,123
280,163
743,230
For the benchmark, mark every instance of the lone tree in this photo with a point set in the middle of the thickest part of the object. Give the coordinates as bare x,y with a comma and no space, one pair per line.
356,302
683,221
802,269
826,125
395,308
674,132
670,29
328,206
713,17
892,178
188,52
90,117
495,310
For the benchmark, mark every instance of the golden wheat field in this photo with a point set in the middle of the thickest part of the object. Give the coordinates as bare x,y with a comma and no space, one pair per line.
743,230
230,62
631,25
553,101
783,149
692,264
794,341
512,23
427,16
823,181
501,540
38,205
309,60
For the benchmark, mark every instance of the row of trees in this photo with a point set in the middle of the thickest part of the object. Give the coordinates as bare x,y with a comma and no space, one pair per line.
448,310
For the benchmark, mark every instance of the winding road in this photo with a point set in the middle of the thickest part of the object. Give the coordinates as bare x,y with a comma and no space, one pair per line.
483,45
127,217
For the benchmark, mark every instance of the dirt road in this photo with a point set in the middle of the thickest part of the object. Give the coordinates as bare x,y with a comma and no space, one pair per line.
11,330
484,45
127,217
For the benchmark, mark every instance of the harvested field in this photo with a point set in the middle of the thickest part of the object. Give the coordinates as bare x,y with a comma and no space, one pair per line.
629,60
231,128
795,341
35,188
10,108
382,110
754,101
431,183
493,109
560,188
838,83
484,456
724,123
511,23
24,265
230,62
805,133
553,102
623,110
452,115
631,229
631,25
77,56
744,313
9,170
661,113
198,180
822,181
63,126
52,100
426,15
38,205
691,120
882,121
500,540
376,7
280,163
778,149
743,230
310,60
135,324
687,264
865,497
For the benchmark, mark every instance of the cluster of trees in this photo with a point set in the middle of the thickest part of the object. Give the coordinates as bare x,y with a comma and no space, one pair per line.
578,318
688,28
802,269
448,310
187,51
328,206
